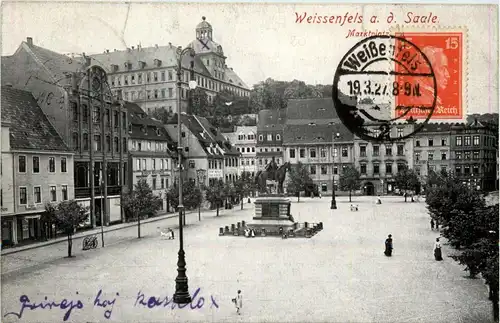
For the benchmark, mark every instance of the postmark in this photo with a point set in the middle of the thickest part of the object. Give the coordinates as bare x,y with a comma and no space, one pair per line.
368,87
446,48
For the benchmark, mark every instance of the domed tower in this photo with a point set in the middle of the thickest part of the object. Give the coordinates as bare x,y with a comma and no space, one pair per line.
209,52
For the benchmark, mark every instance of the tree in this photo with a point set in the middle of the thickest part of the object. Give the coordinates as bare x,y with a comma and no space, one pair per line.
162,115
191,195
229,193
215,194
199,103
406,179
141,202
68,216
298,179
349,180
244,186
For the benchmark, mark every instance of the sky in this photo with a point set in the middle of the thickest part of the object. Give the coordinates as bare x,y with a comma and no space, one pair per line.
259,40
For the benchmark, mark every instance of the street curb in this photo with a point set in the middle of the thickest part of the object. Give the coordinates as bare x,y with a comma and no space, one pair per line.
109,229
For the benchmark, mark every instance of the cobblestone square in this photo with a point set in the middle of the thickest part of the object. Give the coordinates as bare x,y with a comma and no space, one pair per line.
339,275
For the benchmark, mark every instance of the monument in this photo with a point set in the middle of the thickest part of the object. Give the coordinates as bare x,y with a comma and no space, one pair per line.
272,209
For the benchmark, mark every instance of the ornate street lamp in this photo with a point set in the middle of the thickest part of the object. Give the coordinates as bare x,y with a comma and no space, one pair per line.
201,174
181,295
333,205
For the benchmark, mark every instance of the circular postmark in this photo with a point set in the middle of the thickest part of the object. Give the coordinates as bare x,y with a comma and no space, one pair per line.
384,84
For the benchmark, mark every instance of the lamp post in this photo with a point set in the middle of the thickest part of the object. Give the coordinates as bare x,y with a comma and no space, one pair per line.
201,175
333,205
181,295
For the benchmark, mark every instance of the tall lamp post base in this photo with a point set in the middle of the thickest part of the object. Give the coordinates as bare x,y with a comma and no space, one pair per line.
181,295
333,205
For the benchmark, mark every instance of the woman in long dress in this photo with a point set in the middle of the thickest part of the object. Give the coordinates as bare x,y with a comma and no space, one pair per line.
437,250
388,246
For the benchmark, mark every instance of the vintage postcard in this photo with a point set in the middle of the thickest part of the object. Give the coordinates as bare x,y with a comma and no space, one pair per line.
249,162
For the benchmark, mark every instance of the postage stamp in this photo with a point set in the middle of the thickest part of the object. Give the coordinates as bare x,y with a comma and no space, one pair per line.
379,82
447,51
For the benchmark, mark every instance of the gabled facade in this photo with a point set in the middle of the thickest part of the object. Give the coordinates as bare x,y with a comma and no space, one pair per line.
37,168
77,100
244,139
148,75
204,148
152,154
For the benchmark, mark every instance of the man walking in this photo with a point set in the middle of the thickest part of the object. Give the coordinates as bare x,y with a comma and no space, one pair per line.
238,302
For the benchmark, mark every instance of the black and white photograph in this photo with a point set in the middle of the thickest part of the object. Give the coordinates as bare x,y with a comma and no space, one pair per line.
249,162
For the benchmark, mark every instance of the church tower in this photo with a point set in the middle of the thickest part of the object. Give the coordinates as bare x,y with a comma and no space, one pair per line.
204,30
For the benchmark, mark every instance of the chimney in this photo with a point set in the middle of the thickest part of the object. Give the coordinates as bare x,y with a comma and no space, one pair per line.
29,40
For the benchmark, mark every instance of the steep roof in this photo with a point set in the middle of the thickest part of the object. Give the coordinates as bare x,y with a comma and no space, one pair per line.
435,127
315,133
30,127
166,54
145,127
304,111
271,119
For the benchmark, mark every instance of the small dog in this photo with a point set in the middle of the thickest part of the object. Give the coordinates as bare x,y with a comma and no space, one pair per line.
354,207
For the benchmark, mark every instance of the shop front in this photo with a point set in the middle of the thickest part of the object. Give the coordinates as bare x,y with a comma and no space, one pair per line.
21,229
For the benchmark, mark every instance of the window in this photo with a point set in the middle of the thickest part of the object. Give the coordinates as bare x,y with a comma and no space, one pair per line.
155,76
22,164
475,140
417,156
261,138
388,150
76,142
269,137
444,142
138,164
475,155
302,153
324,187
376,150
85,112
193,165
53,194
23,197
108,118
37,194
116,143
388,168
417,170
362,151
443,155
430,155
323,170
335,170
97,143
278,137
401,166
458,155
466,169
124,148
154,183
108,143
400,132
144,164
475,169
344,152
417,142
36,164
170,92
363,169
115,119
291,152
74,111
124,120
335,152
467,155
63,165
458,141
52,164
376,169
313,169
323,152
96,117
85,141
400,150
64,192
443,168
458,170
466,140
312,153
170,75
431,142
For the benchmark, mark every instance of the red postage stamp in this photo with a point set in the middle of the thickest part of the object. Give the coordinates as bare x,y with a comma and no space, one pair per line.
445,52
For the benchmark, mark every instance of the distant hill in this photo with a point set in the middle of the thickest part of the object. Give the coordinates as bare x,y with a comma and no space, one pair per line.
491,118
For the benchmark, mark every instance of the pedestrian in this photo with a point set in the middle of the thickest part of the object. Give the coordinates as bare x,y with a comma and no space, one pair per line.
319,194
437,224
388,246
238,302
432,224
437,250
379,201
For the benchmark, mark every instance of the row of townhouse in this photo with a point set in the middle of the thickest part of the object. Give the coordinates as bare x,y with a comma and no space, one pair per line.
309,131
109,143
